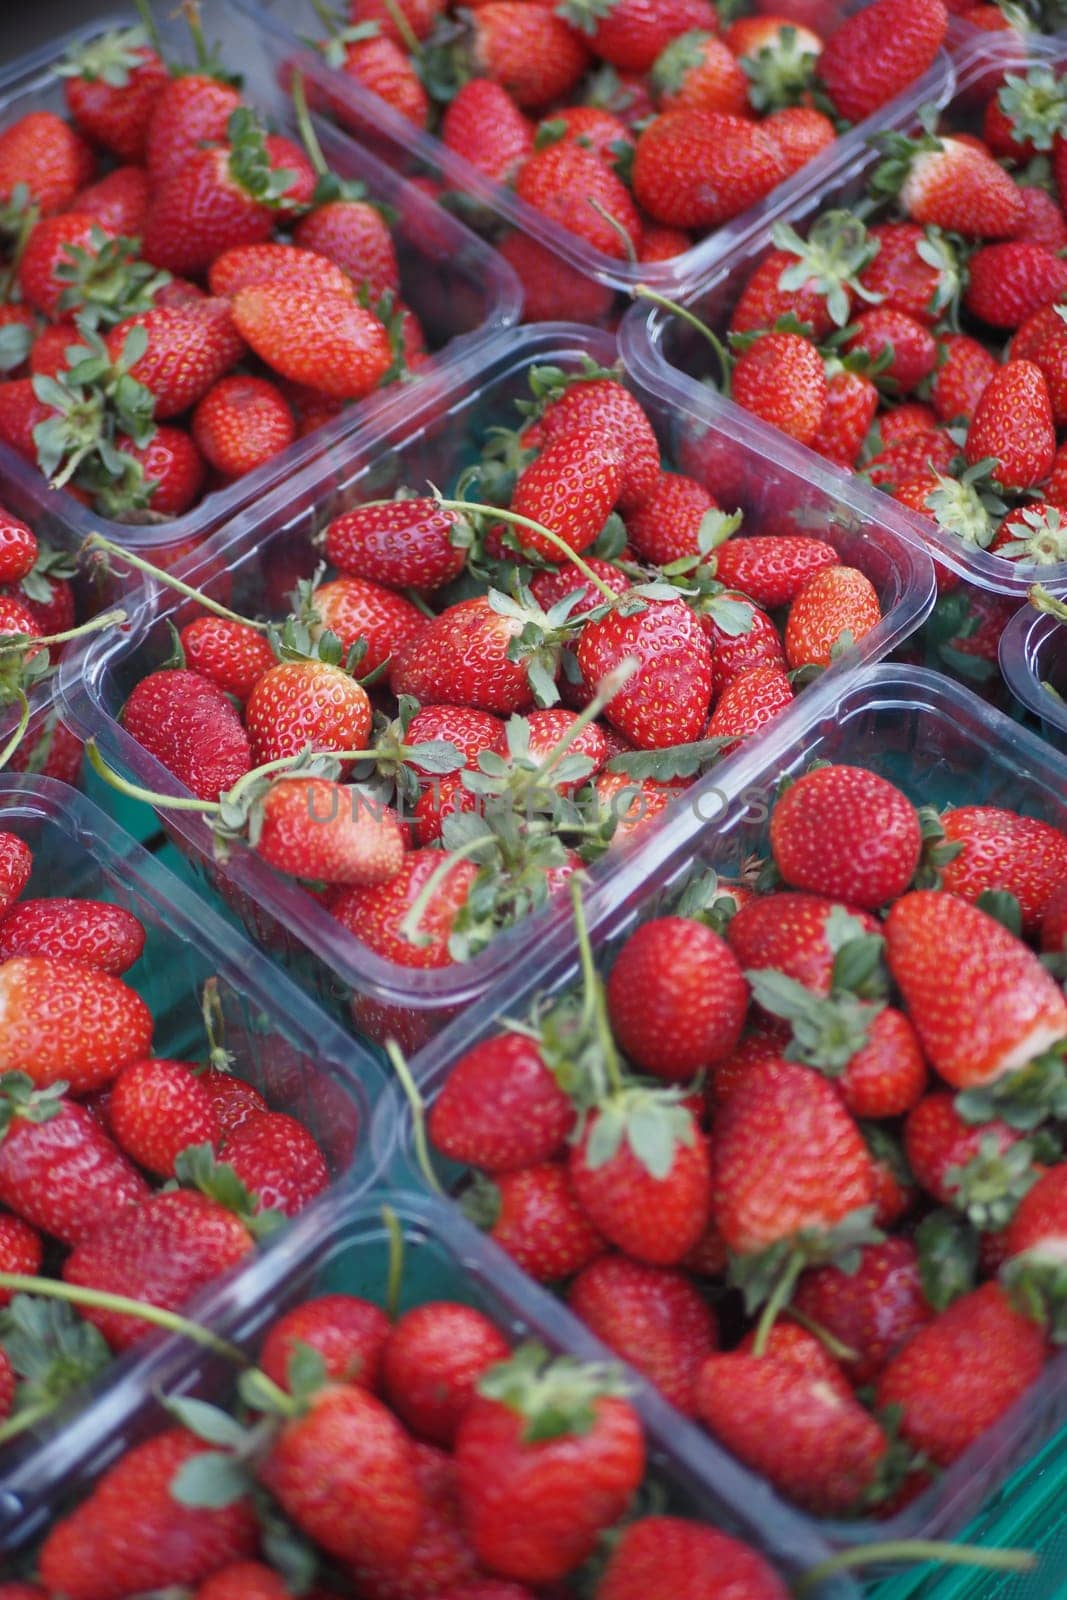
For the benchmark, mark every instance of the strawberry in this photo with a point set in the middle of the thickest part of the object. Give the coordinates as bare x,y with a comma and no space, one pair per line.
764,299
94,932
59,1171
913,270
665,701
1013,426
835,609
461,657
468,730
697,69
591,126
442,1553
668,1558
529,51
534,1216
18,548
676,999
485,126
651,1317
780,378
846,833
191,112
344,1472
575,189
981,1002
170,467
953,184
405,545
962,376
548,1457
189,725
378,914
956,1376
794,933
328,832
886,1075
326,340
631,34
914,458
420,16
111,87
500,1108
158,1108
552,289
189,348
16,865
250,264
801,133
348,1334
876,54
815,1445
1033,1272
244,1580
666,526
910,418
603,404
959,1164
1002,850
353,235
232,655
160,1251
911,347
379,65
1054,921
697,169
363,615
43,155
1007,283
758,645
649,1197
851,404
117,203
771,569
571,487
51,249
277,1160
21,1251
432,1362
872,1311
297,703
61,1020
132,1533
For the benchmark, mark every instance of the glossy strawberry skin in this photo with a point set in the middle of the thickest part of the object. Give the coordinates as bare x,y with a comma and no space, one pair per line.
902,36
788,931
241,423
771,569
1004,850
231,654
348,1333
461,658
676,999
659,1558
608,407
403,545
158,1108
357,610
63,1021
21,1251
329,832
500,1108
846,833
535,1216
937,1140
377,914
442,1553
91,931
298,703
837,607
570,488
278,1161
655,1220
187,723
665,701
873,1311
63,1174
432,1362
342,349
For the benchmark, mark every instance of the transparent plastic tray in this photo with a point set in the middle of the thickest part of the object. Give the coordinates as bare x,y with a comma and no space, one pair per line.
282,1043
444,1258
287,25
942,745
1033,653
461,290
431,445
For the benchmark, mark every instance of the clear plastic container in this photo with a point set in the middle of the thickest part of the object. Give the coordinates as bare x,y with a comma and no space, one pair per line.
444,1258
1033,654
673,360
941,745
281,1041
461,290
431,445
288,25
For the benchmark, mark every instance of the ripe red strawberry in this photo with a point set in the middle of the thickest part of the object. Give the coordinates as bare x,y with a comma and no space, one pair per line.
485,126
461,657
277,1160
962,377
940,1146
354,236
592,126
535,1499
1013,425
377,914
665,527
190,347
244,1580
406,544
574,189
912,346
668,1558
469,730
698,69
981,1002
240,423
231,654
652,1317
59,1171
432,1362
836,608
61,1020
697,169
605,405
43,153
759,645
630,34
851,404
322,339
500,1108
160,1251
344,1472
801,133
959,187
22,1251
158,1108
348,1334
189,725
748,703
781,378
901,36
905,279
1003,850
191,111
356,610
91,931
117,202
792,933
18,548
961,1372
1007,283
1033,1271
906,420
815,1445
763,300
249,264
887,1075
912,458
298,703
665,701
16,865
111,87
442,1553
328,832
531,53
846,833
552,289
535,1216
171,463
379,65
571,487
872,1311
676,998
52,245
1054,921
133,1534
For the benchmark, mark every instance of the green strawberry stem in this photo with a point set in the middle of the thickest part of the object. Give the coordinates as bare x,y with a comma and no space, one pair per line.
308,136
395,1278
403,28
914,1551
20,641
96,541
148,22
25,1419
1042,600
594,1006
170,802
833,1346
101,1300
643,292
777,1301
606,690
23,723
419,602
418,1114
613,222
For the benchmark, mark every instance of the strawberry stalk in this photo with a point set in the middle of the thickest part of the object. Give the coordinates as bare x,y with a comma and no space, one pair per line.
20,728
613,222
833,1346
594,1015
1042,600
643,292
101,1300
777,1301
395,1276
418,1115
210,808
913,1551
97,541
20,641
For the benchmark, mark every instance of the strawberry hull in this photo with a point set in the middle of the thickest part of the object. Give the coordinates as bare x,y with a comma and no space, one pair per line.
942,746
461,291
444,1259
432,445
1033,661
282,1044
979,591
597,281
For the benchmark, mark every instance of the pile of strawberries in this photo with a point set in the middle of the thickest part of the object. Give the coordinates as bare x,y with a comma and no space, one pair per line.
636,125
1031,16
182,292
437,766
391,1457
121,1172
796,1158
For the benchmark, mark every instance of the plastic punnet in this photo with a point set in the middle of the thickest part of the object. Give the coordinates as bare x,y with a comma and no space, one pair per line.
1033,660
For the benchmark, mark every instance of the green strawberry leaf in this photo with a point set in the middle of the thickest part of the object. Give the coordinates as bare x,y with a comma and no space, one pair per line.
210,1481
948,1257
